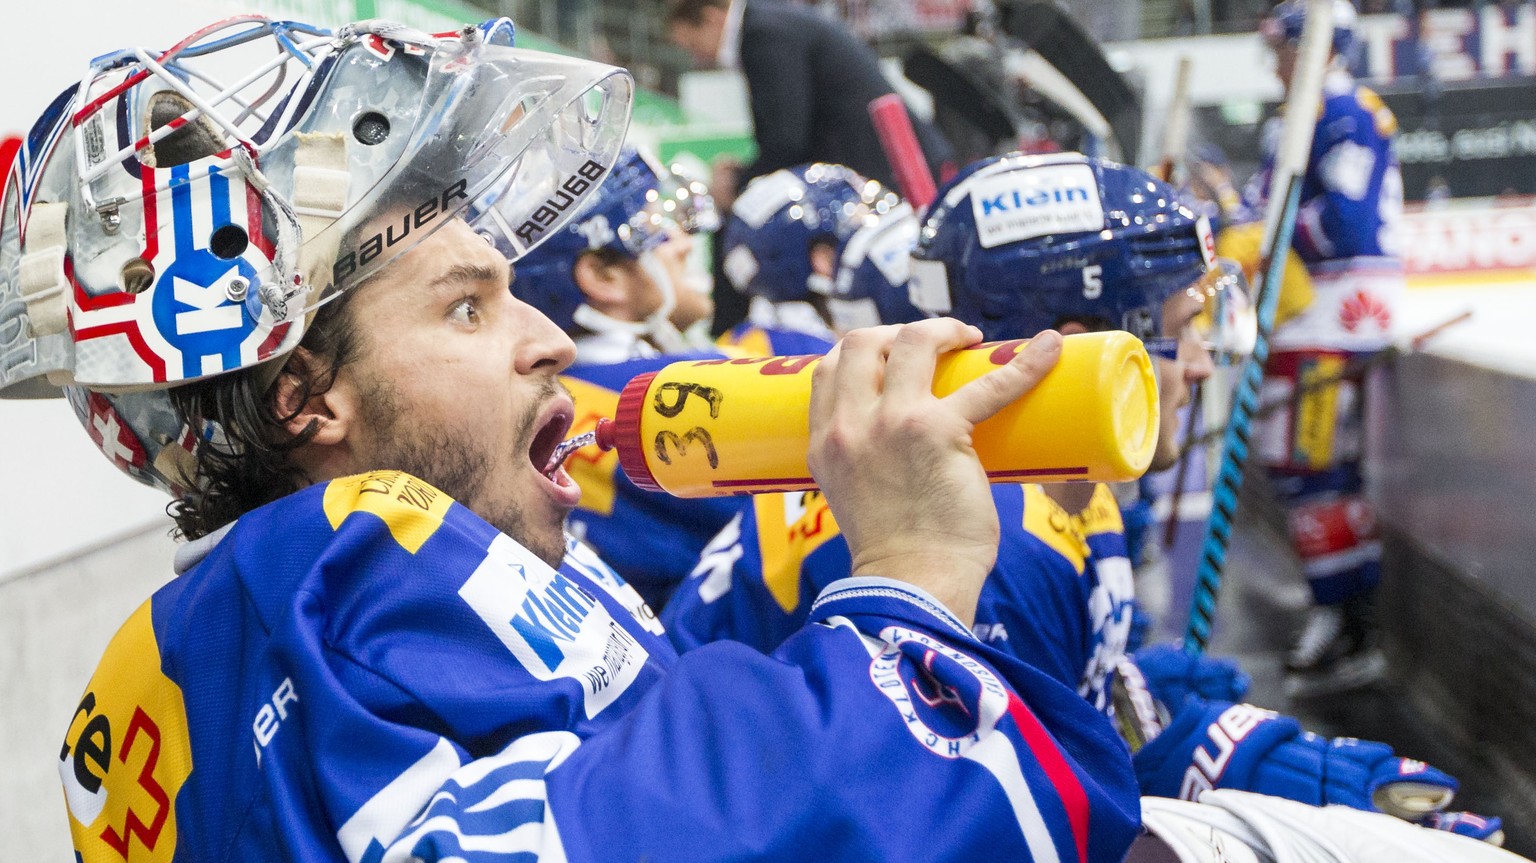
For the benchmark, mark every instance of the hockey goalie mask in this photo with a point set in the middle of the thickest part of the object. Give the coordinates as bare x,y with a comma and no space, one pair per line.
1018,244
178,214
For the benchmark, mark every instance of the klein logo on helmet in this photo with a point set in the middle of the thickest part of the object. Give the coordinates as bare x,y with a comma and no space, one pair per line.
424,213
1019,199
1022,205
568,193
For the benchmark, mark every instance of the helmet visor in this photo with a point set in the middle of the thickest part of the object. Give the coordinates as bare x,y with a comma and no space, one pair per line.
512,140
1228,323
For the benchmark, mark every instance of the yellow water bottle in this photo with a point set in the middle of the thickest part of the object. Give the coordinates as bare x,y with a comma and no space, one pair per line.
705,428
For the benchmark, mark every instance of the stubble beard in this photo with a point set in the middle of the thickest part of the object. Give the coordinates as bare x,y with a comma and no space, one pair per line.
457,461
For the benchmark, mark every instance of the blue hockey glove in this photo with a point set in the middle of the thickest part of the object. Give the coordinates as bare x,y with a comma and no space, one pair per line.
1173,674
1223,745
1488,828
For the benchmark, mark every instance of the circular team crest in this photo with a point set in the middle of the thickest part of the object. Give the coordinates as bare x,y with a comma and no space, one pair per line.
945,698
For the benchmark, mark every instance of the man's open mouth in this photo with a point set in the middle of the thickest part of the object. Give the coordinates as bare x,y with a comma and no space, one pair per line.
545,448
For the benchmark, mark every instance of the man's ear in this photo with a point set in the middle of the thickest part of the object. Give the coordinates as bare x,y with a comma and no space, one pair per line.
711,17
601,282
823,259
297,405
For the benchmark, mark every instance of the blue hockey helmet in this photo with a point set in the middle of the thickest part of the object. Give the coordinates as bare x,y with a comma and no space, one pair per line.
1283,24
872,275
777,218
628,215
635,211
1018,244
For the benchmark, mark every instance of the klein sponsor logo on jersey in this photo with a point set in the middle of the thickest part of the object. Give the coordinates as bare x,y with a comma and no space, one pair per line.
126,753
1047,200
585,561
552,625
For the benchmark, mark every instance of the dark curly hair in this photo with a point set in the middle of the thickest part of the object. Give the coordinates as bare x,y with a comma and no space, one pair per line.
251,467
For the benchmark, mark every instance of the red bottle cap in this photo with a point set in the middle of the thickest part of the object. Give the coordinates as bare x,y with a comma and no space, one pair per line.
625,433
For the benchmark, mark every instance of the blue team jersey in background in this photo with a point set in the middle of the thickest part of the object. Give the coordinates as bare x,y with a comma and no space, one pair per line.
1352,194
1058,599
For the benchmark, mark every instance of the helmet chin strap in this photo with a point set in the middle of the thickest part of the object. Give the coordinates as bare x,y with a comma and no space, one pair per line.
657,328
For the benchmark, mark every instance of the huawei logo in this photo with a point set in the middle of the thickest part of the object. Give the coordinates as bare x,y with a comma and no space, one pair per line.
1363,307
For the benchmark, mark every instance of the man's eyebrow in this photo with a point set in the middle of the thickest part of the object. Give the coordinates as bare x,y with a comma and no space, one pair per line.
459,274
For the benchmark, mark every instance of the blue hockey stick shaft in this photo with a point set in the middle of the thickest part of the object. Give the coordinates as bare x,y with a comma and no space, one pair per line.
1302,103
1234,444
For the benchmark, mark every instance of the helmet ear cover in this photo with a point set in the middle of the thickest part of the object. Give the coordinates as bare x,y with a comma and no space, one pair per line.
874,273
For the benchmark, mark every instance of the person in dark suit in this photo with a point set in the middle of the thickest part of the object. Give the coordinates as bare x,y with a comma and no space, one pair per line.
810,81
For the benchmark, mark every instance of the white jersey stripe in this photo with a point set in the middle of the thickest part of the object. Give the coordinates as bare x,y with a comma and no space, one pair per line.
996,753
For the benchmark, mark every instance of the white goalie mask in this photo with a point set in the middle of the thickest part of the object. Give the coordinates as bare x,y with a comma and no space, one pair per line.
160,225
179,214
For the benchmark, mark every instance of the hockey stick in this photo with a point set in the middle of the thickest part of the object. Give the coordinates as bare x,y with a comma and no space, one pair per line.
1180,478
1175,141
1058,39
1354,368
1176,125
958,90
1301,107
902,150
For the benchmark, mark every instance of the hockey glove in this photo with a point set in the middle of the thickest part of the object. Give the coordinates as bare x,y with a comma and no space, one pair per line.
1222,745
1488,828
1173,674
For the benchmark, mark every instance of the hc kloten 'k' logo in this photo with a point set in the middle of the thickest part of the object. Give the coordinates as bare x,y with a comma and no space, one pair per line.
203,238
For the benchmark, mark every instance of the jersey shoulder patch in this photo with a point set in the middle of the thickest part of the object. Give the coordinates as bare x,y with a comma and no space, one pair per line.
1381,115
790,526
127,752
1102,514
411,508
1045,520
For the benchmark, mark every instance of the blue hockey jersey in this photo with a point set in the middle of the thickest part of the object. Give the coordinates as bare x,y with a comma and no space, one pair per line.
1352,194
1059,597
366,671
1346,226
652,539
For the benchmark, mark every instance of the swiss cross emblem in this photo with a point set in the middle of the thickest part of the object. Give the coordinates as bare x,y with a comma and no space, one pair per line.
1362,308
112,435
